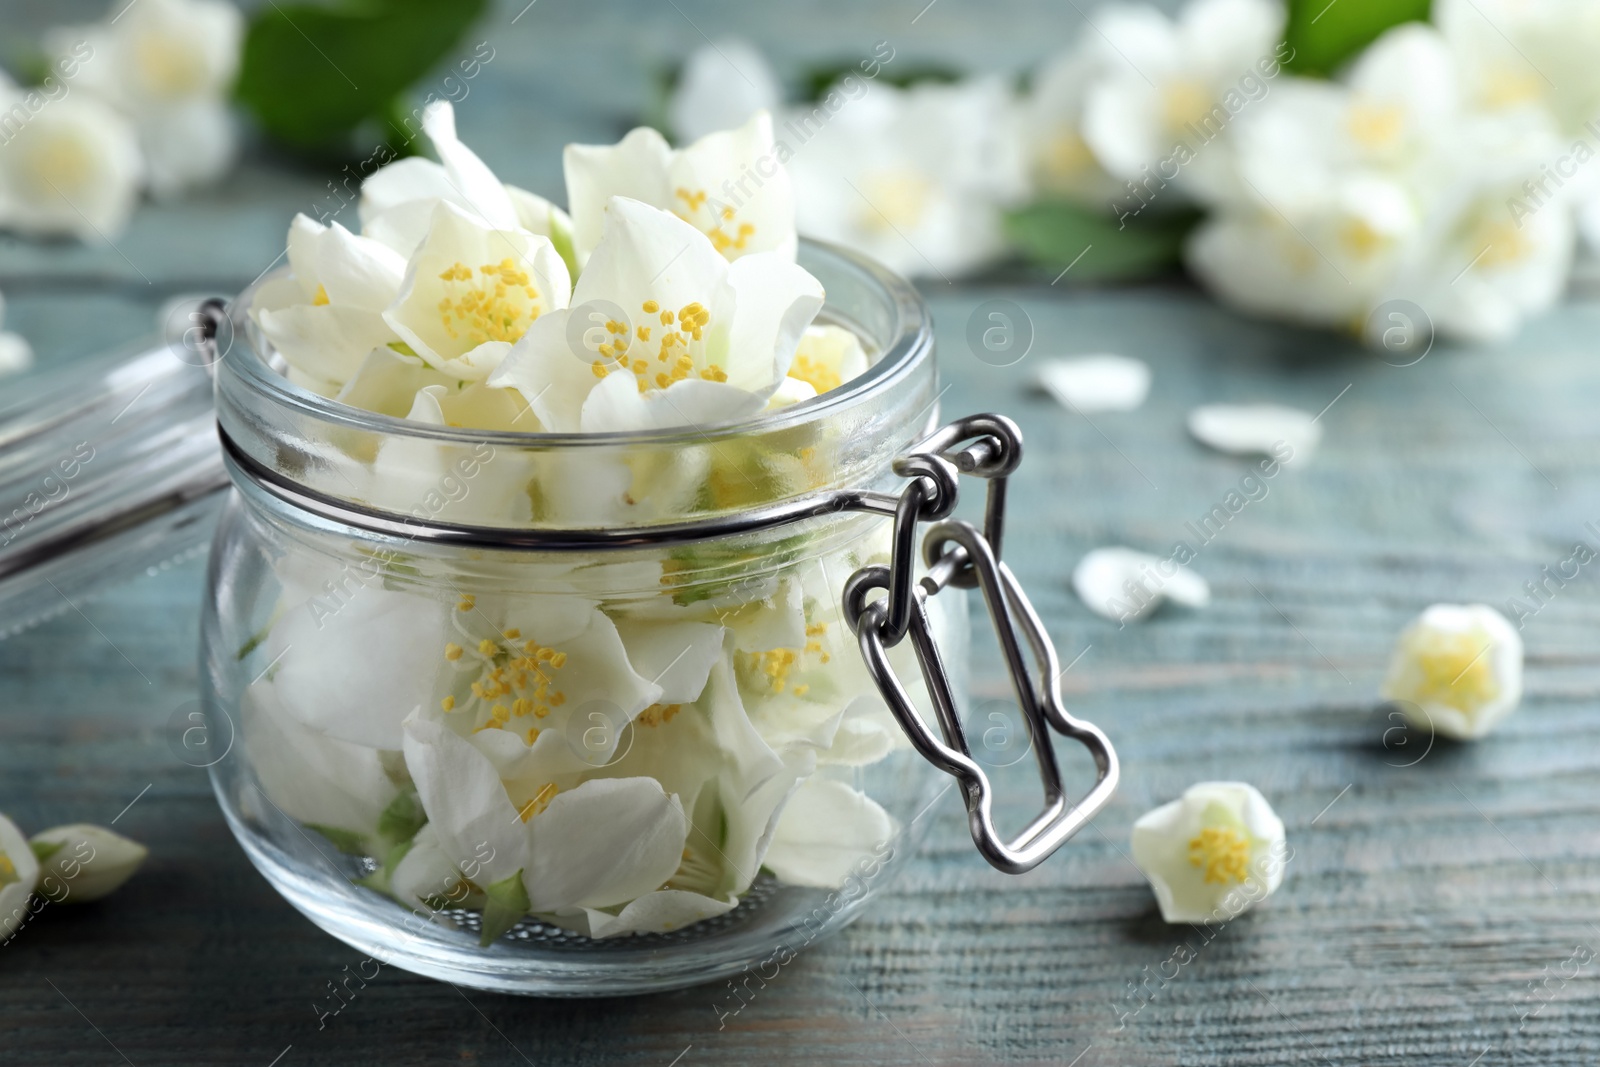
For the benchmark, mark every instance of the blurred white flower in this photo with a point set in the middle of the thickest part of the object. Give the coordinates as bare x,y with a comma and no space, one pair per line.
1170,83
720,87
70,167
1456,670
19,873
915,178
169,66
1211,854
83,863
16,355
1516,54
1385,187
1060,161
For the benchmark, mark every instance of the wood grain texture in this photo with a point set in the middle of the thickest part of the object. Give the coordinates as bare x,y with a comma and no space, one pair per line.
1422,899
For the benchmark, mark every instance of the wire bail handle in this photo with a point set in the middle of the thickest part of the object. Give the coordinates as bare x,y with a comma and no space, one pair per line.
959,554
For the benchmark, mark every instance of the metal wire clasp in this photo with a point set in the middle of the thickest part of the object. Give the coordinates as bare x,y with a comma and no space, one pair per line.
958,554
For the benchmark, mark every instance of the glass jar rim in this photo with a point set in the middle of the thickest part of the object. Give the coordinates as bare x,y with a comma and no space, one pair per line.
911,345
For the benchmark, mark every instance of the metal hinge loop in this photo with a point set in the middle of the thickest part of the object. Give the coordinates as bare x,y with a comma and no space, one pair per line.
958,554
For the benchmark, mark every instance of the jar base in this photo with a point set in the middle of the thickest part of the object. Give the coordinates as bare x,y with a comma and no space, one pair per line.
773,923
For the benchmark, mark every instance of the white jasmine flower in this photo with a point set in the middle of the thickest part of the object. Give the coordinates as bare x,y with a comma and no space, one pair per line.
915,178
471,291
168,65
1177,83
19,873
73,167
1212,854
83,863
828,357
1092,384
1127,586
731,186
399,200
1457,670
721,87
1287,434
1517,54
705,341
16,355
328,314
1061,163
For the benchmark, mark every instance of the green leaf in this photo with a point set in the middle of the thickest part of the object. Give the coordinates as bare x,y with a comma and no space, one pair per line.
1097,247
402,819
1326,33
312,73
507,904
43,850
347,841
404,349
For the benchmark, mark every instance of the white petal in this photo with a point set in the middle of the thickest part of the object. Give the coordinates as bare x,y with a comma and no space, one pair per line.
604,843
745,203
825,832
327,342
1092,384
677,656
311,777
388,382
425,872
1126,586
90,862
635,167
775,302
468,807
654,913
790,391
358,658
16,887
1288,434
472,180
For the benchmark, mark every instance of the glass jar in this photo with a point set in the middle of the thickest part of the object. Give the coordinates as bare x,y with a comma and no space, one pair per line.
569,714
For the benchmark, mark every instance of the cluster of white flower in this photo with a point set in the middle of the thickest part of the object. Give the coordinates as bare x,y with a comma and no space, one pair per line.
669,296
612,763
135,102
1446,167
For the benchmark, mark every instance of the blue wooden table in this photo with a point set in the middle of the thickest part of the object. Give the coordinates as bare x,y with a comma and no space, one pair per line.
1440,896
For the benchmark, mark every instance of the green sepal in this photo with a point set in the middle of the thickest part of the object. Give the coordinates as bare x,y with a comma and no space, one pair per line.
347,841
404,349
43,850
506,905
402,819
